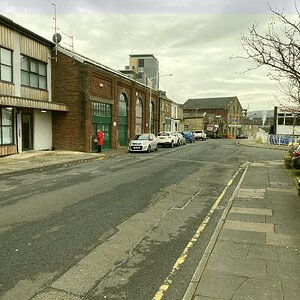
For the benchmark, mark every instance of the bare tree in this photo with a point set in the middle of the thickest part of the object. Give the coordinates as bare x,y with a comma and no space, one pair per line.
279,49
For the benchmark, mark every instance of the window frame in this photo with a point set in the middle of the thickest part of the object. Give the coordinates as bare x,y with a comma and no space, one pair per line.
6,65
2,126
36,73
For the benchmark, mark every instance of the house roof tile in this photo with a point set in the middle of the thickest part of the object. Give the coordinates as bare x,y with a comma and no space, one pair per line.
209,103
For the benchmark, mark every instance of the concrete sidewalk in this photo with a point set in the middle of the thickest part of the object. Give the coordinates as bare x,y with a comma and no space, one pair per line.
31,160
255,250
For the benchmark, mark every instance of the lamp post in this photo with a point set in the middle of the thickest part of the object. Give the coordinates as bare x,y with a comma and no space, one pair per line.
157,88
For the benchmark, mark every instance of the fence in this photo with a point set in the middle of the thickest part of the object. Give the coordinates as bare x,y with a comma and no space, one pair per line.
280,139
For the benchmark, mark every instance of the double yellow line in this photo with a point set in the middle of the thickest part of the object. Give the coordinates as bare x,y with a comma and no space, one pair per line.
167,282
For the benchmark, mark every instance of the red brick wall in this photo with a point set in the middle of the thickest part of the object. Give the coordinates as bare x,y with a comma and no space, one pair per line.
67,87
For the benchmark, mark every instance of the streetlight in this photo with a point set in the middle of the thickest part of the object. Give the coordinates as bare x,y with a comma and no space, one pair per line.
151,78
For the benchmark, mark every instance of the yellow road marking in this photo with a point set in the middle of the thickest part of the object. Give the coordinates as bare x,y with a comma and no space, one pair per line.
167,282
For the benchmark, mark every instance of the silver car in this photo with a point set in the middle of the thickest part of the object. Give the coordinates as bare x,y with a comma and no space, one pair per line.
146,142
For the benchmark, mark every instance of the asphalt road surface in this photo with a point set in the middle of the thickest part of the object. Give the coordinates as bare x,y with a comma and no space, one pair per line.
130,227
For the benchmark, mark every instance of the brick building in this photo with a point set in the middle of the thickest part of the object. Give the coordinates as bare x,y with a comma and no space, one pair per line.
226,109
98,97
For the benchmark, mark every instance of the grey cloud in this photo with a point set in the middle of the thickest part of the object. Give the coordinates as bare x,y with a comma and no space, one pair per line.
194,47
146,7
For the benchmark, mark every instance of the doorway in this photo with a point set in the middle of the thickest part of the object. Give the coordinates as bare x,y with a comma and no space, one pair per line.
27,132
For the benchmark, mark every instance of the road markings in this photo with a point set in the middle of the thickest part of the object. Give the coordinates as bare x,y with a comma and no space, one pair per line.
167,282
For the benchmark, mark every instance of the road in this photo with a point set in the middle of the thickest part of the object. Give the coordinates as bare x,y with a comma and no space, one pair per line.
129,227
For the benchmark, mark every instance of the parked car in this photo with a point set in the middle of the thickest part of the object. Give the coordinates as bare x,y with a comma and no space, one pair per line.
143,143
296,162
181,138
199,135
296,152
241,136
188,135
167,138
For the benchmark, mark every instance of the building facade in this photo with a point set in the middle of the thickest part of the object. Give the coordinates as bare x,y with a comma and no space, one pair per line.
227,110
286,121
99,98
26,100
147,68
171,114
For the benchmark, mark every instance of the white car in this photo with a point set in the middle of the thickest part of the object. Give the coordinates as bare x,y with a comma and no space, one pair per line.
167,138
199,135
146,142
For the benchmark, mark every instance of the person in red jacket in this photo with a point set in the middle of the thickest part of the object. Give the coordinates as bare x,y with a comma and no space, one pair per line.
100,140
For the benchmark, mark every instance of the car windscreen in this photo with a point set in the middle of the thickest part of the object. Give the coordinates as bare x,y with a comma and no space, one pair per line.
143,137
163,134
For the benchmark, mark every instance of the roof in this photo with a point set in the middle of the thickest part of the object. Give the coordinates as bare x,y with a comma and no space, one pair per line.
11,24
209,103
83,59
142,55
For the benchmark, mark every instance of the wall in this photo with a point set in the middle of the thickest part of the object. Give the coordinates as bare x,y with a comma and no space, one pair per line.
194,123
67,88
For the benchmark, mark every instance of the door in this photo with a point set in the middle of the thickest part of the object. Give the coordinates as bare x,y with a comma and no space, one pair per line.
101,119
122,120
27,132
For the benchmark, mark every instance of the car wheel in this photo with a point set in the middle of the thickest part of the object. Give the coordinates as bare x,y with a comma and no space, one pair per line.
172,144
149,149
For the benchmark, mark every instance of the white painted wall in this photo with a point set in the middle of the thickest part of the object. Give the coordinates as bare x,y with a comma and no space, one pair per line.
288,130
42,130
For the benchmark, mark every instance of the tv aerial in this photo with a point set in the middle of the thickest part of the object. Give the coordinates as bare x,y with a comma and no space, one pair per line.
56,36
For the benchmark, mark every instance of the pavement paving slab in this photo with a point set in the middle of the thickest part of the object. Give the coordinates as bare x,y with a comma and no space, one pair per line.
239,236
249,267
219,286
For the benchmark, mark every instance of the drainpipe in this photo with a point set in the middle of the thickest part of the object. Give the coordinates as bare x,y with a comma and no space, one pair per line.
17,130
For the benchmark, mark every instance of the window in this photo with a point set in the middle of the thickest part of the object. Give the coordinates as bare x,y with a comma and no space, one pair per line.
100,109
289,119
280,119
141,63
138,116
33,73
5,65
6,126
151,118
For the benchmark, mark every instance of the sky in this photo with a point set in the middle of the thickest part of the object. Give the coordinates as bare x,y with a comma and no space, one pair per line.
198,41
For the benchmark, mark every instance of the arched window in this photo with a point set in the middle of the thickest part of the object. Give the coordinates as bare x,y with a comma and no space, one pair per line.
138,116
151,118
122,120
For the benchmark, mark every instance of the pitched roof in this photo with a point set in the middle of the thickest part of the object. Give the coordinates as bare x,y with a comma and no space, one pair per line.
208,103
83,59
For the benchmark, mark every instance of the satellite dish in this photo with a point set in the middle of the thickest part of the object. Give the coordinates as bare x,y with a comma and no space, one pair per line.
56,38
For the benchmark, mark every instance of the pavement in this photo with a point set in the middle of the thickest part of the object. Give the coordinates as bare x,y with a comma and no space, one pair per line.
31,160
254,252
